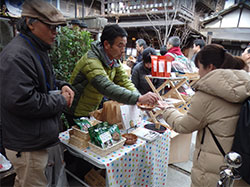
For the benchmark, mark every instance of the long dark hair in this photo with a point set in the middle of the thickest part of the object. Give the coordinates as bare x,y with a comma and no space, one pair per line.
218,56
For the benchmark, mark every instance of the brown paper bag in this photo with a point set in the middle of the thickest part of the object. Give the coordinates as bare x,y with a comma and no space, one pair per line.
110,112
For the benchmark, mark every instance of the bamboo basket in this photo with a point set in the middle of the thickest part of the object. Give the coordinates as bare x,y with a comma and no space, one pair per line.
78,142
104,152
79,138
80,134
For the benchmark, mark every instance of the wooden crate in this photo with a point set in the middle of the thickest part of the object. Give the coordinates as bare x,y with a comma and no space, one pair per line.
93,178
104,152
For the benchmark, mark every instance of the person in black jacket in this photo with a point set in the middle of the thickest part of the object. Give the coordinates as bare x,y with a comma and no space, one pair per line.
143,69
31,105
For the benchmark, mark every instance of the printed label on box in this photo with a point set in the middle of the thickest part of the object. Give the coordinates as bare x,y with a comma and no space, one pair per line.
155,65
168,67
105,137
161,66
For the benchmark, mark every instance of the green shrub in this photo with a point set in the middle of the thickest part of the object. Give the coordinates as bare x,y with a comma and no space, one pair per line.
71,44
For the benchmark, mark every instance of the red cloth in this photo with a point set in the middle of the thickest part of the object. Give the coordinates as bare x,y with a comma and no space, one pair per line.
111,65
175,50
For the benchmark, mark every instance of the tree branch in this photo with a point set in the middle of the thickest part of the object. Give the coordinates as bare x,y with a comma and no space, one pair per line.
156,30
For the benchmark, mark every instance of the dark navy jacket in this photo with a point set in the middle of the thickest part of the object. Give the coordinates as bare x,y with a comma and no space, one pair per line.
29,115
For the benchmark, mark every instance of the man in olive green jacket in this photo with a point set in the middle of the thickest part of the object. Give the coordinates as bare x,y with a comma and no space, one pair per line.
99,73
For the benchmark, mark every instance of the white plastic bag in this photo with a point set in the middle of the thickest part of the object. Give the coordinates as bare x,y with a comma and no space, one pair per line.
4,163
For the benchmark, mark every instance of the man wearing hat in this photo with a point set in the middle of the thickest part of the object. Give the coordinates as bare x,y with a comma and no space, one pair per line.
31,103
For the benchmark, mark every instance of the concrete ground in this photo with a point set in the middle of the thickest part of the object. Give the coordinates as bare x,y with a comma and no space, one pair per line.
177,177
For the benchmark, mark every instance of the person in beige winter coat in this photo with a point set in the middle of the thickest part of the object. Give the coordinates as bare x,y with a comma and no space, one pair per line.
216,103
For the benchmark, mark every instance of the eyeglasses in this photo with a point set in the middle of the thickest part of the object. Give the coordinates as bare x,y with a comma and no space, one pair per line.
51,27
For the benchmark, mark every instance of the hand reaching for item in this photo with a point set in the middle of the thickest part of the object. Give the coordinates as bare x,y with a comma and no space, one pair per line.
164,105
149,98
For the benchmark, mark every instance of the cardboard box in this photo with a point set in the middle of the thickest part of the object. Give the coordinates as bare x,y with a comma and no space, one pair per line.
179,147
93,178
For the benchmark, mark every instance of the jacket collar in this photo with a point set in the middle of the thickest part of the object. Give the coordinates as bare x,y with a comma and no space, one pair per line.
37,41
175,50
146,69
230,85
97,51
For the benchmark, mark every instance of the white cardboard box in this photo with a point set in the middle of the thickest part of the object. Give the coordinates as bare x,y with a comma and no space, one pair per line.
179,147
